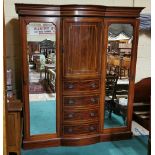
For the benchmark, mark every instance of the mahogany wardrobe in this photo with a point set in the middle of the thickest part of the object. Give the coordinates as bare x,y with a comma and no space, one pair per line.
78,73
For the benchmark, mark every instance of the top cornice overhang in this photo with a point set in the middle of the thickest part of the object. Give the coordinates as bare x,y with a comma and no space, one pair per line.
76,10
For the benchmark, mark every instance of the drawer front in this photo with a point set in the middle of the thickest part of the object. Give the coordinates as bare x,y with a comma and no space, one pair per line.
81,129
81,101
83,85
81,115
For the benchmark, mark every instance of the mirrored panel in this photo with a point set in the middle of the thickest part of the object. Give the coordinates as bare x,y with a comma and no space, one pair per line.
119,48
41,57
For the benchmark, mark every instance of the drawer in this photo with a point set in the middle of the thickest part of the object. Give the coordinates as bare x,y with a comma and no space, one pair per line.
81,115
81,129
83,85
81,101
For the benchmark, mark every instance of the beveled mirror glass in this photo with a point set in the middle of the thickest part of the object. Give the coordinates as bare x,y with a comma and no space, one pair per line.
41,57
119,49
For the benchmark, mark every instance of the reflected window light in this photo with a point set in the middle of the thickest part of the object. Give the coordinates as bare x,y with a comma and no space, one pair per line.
77,12
76,19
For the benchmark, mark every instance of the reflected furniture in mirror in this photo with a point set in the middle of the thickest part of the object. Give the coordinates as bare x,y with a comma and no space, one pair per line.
41,61
78,73
111,83
119,50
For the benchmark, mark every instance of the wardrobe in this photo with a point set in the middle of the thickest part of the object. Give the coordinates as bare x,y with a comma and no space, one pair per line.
78,83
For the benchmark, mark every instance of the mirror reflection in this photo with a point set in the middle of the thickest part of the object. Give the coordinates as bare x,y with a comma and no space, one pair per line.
120,38
41,57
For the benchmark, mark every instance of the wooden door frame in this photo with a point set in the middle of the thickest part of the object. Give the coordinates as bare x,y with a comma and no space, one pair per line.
135,23
42,139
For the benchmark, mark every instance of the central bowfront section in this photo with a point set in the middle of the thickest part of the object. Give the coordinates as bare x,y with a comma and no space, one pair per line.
78,73
82,42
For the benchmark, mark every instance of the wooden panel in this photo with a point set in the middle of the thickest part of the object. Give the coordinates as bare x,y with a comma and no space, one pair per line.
83,85
81,42
12,129
80,115
23,23
14,134
82,140
140,94
142,103
79,101
81,129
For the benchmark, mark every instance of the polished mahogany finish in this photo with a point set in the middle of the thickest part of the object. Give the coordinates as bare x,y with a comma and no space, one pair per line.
82,42
82,49
80,115
14,132
81,129
76,10
81,101
81,85
140,94
81,46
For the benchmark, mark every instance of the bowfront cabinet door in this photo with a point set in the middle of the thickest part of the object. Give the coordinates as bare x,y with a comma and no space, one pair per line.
82,39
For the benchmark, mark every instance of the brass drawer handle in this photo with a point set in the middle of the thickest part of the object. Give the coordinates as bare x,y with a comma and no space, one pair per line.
70,130
70,115
93,85
71,102
70,86
92,114
92,128
93,100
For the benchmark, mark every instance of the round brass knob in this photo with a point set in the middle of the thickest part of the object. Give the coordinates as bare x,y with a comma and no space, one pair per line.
92,128
93,100
70,86
92,114
93,85
71,101
70,130
70,116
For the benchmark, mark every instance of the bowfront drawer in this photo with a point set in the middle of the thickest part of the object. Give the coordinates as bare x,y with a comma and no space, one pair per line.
81,115
83,85
81,129
81,101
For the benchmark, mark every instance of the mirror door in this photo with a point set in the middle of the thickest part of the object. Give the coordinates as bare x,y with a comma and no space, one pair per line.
41,60
118,57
